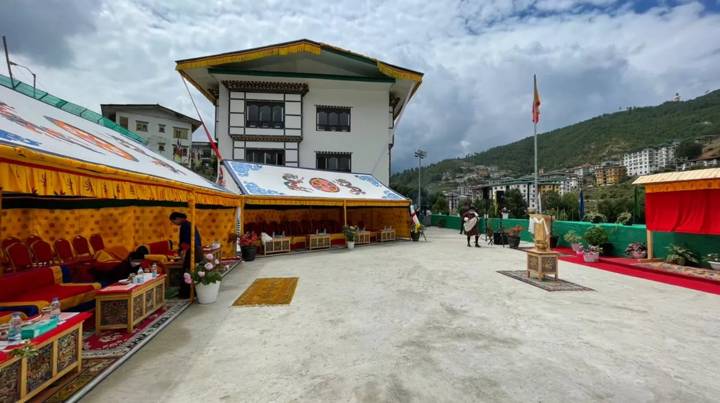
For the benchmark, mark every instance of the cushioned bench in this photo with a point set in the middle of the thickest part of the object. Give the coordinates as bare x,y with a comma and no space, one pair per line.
32,290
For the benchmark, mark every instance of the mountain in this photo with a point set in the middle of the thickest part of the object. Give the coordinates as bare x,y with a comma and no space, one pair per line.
604,137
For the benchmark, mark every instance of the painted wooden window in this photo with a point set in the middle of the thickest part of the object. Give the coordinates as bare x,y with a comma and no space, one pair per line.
124,121
269,115
261,156
180,133
333,118
141,126
341,162
161,128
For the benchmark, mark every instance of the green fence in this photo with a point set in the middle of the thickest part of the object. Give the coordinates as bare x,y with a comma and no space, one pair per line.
619,235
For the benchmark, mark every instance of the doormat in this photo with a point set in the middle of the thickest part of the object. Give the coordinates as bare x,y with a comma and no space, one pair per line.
547,285
268,291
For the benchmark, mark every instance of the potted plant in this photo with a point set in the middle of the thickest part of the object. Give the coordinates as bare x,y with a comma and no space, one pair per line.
574,240
592,254
681,255
714,260
624,218
597,236
350,232
513,236
415,231
636,250
248,246
206,279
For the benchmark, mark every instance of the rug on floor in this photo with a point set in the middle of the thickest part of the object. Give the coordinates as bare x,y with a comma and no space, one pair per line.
547,285
103,352
268,291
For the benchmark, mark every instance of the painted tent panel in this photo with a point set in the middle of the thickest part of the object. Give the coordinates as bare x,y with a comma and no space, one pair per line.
270,180
26,122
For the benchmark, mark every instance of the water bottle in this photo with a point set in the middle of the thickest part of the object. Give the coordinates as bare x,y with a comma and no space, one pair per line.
153,270
140,276
55,308
15,330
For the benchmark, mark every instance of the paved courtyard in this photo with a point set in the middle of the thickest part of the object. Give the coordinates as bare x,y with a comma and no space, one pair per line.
432,322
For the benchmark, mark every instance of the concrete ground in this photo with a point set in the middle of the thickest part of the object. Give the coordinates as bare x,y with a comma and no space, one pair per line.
432,322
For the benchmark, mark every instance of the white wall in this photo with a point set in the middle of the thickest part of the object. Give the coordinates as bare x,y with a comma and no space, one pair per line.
153,136
370,132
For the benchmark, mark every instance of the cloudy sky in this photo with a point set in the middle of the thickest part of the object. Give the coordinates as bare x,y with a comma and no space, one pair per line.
478,57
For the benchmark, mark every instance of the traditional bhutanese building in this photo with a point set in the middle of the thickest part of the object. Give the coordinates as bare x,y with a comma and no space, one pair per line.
304,104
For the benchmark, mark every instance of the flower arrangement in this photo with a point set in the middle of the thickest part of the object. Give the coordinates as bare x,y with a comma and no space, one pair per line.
350,232
27,350
514,231
596,236
416,228
205,272
249,239
682,256
637,250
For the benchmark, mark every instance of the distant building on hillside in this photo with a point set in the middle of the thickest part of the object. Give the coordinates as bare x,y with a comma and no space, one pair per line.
700,163
649,160
609,175
583,170
166,131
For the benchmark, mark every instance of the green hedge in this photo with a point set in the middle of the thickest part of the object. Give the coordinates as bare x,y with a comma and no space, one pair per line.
619,235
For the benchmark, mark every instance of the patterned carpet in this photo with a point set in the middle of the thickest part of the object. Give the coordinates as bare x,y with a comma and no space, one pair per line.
268,291
547,285
104,352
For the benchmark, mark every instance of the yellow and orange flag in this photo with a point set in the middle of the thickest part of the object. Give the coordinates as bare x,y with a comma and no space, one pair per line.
536,102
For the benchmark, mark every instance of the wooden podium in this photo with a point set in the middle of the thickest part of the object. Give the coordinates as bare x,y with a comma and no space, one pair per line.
541,261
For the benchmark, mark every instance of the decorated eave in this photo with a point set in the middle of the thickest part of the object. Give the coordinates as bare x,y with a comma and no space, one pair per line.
201,71
279,185
681,180
46,151
266,86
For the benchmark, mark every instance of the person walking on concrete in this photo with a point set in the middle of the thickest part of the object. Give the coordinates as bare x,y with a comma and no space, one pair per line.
470,224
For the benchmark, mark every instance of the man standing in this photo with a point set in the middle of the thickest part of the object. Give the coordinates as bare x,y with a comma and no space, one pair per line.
464,211
180,219
470,224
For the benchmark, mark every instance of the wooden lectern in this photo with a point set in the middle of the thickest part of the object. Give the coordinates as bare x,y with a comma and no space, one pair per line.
541,260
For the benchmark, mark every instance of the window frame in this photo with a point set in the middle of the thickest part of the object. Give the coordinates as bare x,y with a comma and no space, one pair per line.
138,123
329,155
161,128
187,133
278,151
337,127
272,123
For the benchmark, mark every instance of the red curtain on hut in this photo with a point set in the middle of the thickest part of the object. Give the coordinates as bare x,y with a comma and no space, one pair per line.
689,211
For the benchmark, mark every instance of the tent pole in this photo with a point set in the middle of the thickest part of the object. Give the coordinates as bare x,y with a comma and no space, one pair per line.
191,204
345,213
650,244
1,197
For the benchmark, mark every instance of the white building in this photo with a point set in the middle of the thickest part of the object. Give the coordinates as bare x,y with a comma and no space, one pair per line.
305,104
650,160
165,131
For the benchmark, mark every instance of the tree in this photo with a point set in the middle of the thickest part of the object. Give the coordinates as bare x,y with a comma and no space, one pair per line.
688,150
515,202
440,206
551,201
570,205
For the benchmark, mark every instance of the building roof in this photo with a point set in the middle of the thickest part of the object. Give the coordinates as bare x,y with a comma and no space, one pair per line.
317,56
110,109
680,176
278,183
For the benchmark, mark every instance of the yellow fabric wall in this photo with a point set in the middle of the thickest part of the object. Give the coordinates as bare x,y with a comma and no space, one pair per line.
270,215
376,218
119,226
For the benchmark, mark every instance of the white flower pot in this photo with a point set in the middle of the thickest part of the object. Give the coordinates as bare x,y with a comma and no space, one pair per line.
715,265
350,244
576,247
207,294
591,257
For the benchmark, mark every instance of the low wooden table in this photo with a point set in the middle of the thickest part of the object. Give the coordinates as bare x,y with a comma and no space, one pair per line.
318,241
60,351
363,238
123,306
541,263
387,235
277,245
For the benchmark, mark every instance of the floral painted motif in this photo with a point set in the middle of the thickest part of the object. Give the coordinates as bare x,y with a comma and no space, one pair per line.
254,188
293,182
67,350
243,169
370,179
39,368
138,308
114,312
324,185
10,383
347,184
390,195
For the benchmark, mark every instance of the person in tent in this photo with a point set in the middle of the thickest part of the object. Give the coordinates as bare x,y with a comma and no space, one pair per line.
470,225
181,220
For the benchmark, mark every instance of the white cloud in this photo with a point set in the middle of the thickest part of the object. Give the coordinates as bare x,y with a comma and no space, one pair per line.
591,56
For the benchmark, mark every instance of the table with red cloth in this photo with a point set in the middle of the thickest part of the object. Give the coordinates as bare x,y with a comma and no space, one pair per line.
59,352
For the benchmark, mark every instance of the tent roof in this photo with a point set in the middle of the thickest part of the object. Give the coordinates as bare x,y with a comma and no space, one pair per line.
53,152
681,176
270,184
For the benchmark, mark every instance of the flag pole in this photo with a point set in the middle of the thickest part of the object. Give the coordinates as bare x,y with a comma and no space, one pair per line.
537,194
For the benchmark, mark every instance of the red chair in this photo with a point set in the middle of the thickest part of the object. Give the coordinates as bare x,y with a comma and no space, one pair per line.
32,239
42,253
8,241
97,243
81,246
19,256
80,268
